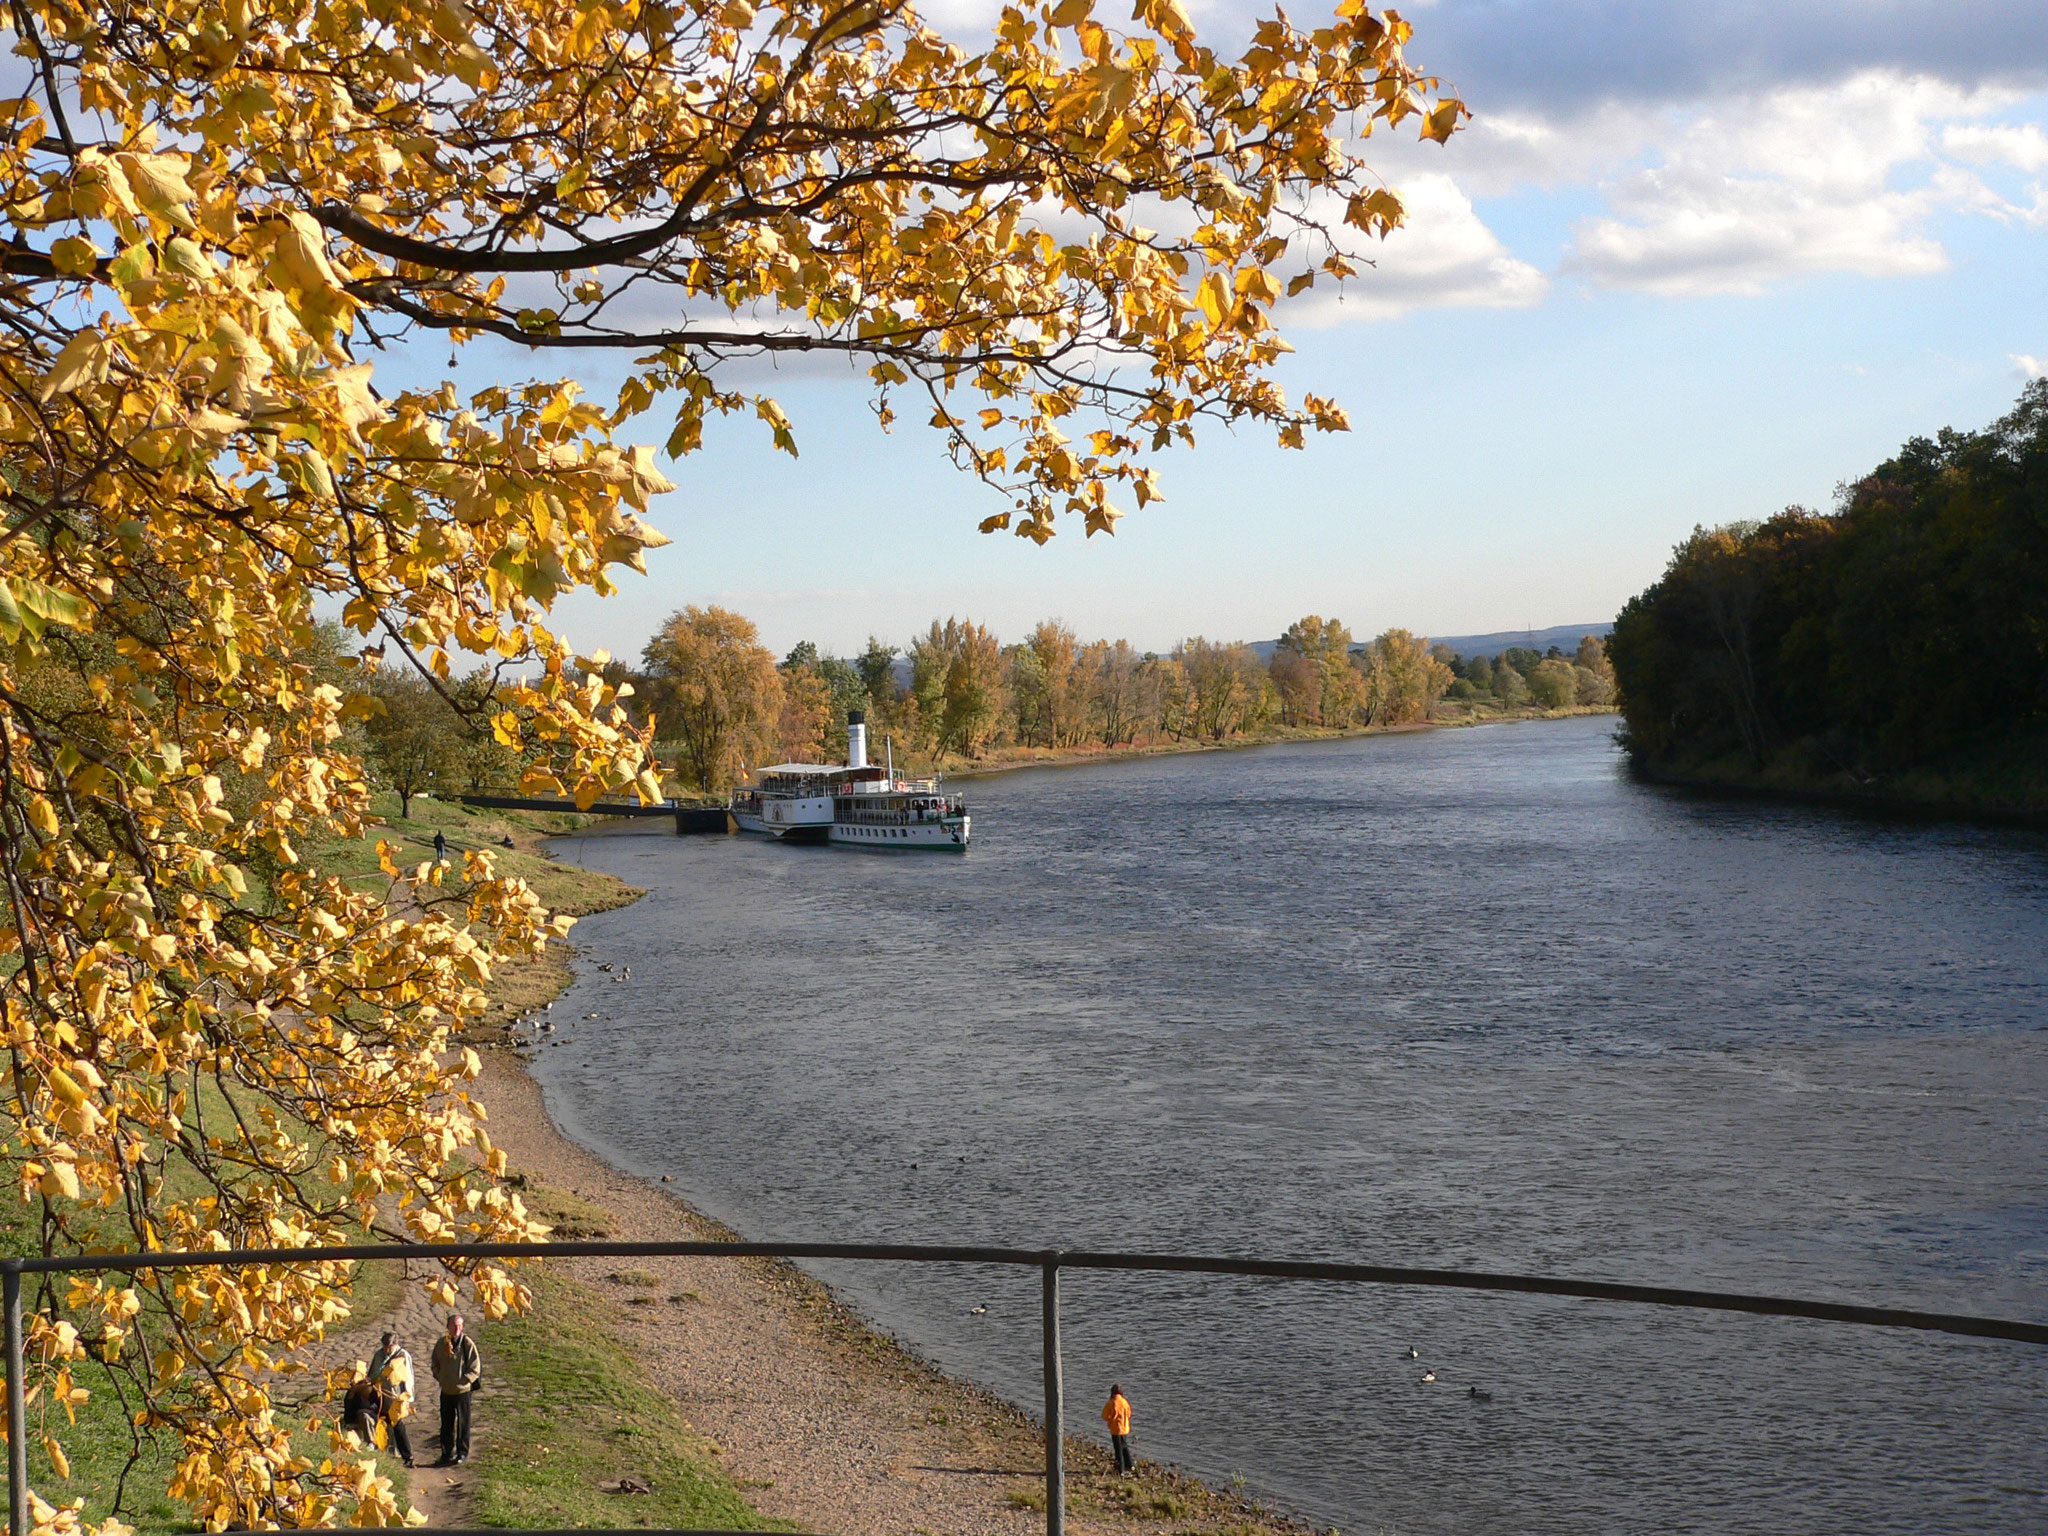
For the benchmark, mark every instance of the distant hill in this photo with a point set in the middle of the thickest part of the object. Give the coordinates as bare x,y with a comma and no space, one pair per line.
1565,637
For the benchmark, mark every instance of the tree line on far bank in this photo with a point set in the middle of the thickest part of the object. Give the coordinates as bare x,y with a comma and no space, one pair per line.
723,703
960,693
1906,631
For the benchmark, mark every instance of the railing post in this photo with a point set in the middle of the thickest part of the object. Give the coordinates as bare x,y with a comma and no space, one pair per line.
1055,1453
17,1410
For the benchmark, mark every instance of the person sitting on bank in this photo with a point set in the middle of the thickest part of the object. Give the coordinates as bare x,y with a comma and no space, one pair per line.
458,1367
391,1370
1116,1413
361,1407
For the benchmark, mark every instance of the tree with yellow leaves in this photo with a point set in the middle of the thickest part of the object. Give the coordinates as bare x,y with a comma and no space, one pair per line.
715,686
219,212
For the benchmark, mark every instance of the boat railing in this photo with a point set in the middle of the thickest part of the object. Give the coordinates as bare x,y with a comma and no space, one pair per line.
1049,1262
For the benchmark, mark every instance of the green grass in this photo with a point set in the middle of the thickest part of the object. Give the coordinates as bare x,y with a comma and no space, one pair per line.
567,1217
570,1409
561,887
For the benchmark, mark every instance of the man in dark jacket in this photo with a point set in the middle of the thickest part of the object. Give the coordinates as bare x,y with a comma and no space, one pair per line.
458,1367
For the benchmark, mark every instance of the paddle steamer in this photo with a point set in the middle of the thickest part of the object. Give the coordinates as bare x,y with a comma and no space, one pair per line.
862,804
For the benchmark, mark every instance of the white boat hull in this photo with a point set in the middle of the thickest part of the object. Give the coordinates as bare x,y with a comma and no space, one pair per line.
950,836
804,820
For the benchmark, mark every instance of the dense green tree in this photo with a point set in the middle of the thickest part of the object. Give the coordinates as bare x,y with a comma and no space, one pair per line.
416,739
956,677
1904,626
1554,684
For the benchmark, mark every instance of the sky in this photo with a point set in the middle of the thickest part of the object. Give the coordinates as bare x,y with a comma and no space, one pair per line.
1690,263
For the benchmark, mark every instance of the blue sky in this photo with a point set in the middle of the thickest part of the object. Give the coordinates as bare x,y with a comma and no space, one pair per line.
1691,263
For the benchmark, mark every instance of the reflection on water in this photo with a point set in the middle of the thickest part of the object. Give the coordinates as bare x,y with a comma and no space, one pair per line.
1463,998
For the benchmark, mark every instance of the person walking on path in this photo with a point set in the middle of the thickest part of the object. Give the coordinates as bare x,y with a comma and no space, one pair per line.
440,846
1116,1413
391,1370
458,1367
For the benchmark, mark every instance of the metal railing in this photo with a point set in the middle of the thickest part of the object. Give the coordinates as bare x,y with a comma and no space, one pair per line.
1048,1261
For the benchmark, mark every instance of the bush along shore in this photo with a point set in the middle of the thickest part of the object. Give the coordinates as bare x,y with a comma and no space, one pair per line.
1891,655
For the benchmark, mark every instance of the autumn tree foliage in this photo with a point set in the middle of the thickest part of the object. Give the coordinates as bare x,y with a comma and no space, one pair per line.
1066,240
1314,673
1403,680
715,689
959,686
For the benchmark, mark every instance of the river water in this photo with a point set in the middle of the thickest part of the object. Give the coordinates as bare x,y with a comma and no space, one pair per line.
1468,998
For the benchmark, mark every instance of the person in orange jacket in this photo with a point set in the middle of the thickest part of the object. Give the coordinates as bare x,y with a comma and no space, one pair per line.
1116,1413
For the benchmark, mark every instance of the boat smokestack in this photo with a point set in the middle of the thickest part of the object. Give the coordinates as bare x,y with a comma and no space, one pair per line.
856,739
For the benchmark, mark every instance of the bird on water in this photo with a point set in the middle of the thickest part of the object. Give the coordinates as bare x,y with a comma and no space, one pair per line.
1428,1377
1479,1396
1413,1353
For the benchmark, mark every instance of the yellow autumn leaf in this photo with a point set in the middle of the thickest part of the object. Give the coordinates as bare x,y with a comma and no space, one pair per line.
60,1182
86,359
74,256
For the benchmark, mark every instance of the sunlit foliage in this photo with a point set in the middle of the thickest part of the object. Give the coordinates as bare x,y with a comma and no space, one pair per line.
218,214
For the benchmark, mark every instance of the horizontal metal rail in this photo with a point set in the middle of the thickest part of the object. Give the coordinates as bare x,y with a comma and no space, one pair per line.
2016,1330
1048,1261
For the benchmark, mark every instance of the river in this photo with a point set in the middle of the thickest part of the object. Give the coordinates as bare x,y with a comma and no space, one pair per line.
1465,998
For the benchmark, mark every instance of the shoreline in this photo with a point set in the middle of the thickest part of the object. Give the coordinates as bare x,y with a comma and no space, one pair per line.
819,1416
1080,757
1879,807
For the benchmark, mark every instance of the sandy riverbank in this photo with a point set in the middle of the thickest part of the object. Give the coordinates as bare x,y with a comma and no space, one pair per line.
822,1421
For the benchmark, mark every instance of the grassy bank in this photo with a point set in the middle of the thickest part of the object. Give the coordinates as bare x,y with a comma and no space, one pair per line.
574,1423
518,985
1999,778
580,1436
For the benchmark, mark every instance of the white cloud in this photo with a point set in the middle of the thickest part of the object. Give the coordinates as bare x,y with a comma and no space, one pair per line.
2029,367
1754,191
1443,256
2023,146
1684,231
